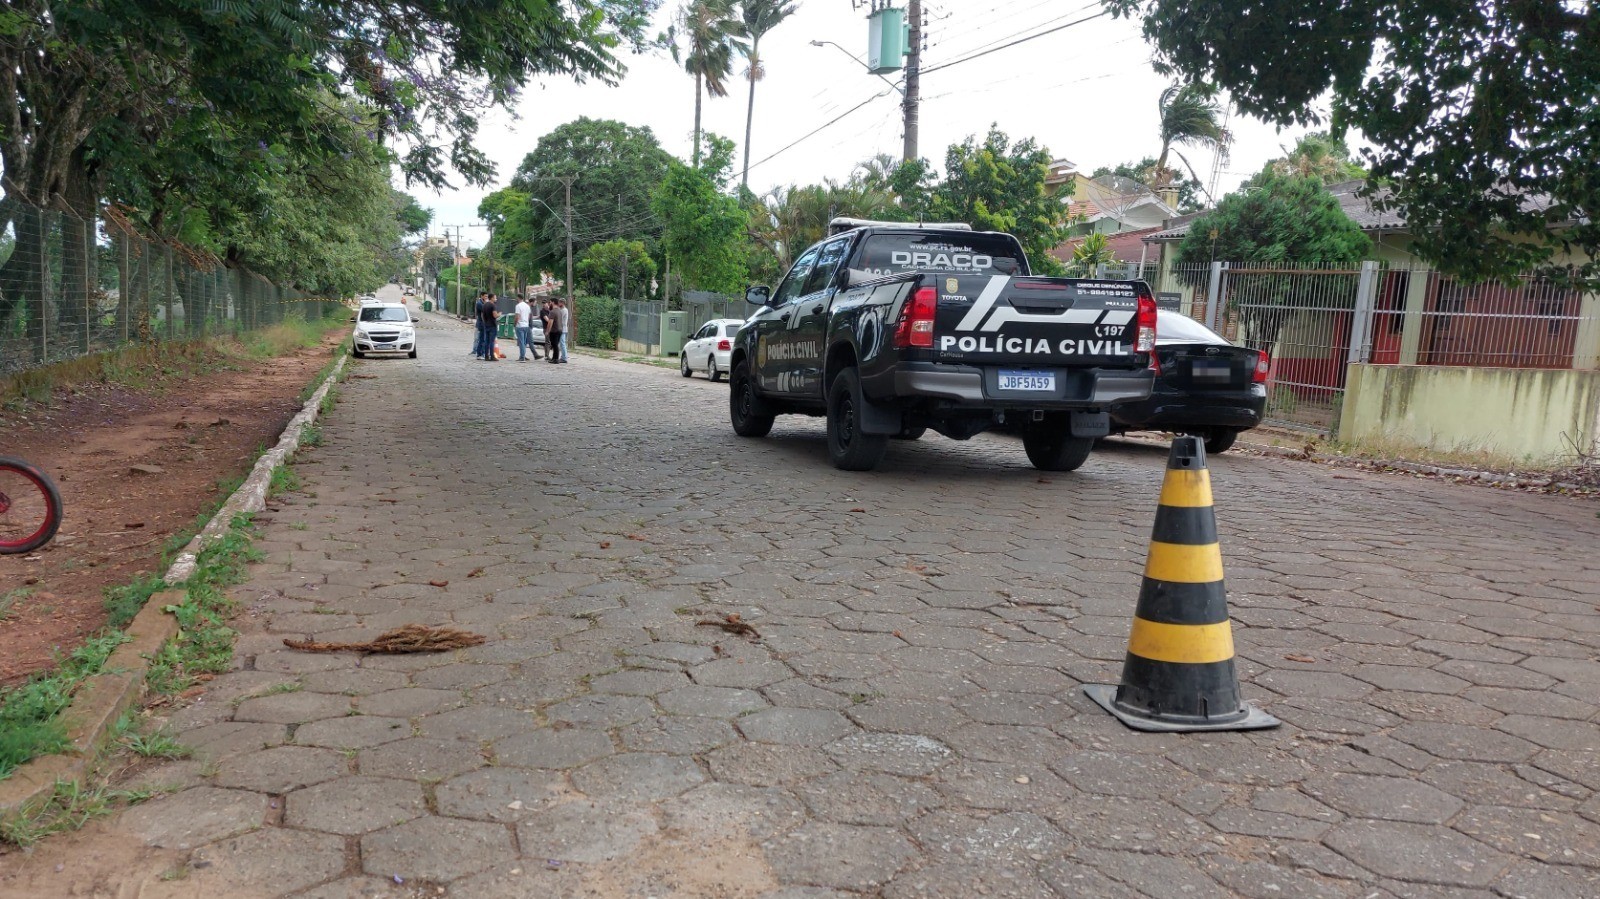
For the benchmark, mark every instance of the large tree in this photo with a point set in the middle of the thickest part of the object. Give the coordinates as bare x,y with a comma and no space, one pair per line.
615,171
1280,222
616,268
190,110
758,18
1000,186
703,228
1484,118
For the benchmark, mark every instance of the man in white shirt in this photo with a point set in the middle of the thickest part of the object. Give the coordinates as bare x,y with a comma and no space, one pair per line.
525,331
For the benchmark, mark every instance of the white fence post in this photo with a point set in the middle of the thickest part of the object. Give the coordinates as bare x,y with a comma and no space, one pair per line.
1214,294
1361,321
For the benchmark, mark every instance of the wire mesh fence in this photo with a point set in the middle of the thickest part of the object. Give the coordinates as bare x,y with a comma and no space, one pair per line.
71,286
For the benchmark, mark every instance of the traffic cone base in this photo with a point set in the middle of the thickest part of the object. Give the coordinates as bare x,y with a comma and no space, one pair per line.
1179,673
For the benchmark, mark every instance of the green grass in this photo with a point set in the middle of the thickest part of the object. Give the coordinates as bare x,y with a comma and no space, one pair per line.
150,366
124,602
284,480
204,644
10,598
68,807
29,712
156,746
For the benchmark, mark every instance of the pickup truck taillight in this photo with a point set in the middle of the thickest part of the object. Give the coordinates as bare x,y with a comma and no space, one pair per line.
724,345
916,319
1263,367
1146,341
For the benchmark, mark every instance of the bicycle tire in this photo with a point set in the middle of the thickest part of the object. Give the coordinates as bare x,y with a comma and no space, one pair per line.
53,508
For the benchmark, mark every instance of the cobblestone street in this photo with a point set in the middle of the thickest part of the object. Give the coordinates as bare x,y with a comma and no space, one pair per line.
909,721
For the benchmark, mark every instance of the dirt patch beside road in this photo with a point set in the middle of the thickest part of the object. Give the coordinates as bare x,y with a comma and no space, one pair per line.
193,436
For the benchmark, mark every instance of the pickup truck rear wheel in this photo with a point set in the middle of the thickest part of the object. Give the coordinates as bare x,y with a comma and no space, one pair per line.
1056,450
849,447
743,405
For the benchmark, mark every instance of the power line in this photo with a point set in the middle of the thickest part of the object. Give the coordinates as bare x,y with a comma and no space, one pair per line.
808,135
1014,43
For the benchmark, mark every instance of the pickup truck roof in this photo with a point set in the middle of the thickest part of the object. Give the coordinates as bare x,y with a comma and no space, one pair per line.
844,223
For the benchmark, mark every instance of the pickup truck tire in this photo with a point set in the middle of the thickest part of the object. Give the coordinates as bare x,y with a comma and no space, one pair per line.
849,447
1056,450
743,405
1220,441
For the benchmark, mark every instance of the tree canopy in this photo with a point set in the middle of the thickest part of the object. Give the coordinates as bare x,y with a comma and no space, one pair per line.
1484,118
1000,186
1321,156
1284,220
606,268
616,169
703,228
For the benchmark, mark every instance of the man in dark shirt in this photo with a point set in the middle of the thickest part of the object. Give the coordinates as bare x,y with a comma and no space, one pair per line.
478,345
491,312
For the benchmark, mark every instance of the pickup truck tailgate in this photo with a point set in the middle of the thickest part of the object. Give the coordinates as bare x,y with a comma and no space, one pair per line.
1035,321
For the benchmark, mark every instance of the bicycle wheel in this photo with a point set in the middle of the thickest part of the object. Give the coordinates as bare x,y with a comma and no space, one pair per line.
30,507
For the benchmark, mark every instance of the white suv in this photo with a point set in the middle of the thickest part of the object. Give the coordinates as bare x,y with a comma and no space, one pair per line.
385,329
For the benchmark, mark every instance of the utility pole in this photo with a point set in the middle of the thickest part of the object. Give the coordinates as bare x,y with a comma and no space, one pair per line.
455,261
913,78
572,306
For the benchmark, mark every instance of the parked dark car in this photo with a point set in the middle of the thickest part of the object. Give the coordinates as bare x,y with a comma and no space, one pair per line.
1205,386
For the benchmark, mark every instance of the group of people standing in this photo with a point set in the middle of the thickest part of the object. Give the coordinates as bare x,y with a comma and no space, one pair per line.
553,314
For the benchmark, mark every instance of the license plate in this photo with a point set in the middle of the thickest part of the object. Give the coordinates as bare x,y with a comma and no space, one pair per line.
1212,371
1027,380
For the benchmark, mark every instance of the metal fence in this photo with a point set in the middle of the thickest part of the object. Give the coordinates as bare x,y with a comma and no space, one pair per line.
70,287
641,325
1315,322
703,306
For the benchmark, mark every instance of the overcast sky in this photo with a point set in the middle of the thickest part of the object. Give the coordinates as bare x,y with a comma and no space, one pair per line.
1087,93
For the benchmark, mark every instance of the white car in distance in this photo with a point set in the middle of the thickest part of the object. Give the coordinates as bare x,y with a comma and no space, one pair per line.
385,329
710,349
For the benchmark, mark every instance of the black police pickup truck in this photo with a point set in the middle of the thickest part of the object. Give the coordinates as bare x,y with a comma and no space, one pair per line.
891,329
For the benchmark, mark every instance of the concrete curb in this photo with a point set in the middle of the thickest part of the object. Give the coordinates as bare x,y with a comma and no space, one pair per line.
1399,466
102,699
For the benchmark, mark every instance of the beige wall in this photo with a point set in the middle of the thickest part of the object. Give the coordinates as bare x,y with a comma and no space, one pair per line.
1520,413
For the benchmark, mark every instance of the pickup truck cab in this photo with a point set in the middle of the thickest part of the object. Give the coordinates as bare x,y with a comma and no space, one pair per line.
891,329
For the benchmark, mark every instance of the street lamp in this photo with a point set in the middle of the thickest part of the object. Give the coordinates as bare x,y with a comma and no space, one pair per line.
857,60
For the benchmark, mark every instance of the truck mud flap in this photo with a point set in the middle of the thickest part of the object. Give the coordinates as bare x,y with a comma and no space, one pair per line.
1090,424
878,419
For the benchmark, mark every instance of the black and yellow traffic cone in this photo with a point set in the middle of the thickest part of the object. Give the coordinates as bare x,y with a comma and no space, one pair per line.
1179,673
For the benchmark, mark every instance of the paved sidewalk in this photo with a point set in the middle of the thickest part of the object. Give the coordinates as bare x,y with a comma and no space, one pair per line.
909,723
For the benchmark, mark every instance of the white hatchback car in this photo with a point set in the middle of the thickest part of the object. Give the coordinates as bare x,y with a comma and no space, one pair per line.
710,349
384,329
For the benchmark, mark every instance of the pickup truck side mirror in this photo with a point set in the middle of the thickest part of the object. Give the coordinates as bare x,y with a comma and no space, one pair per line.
415,320
352,318
758,295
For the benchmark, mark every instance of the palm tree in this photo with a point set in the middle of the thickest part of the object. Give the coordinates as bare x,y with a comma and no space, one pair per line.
760,17
1189,116
711,35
